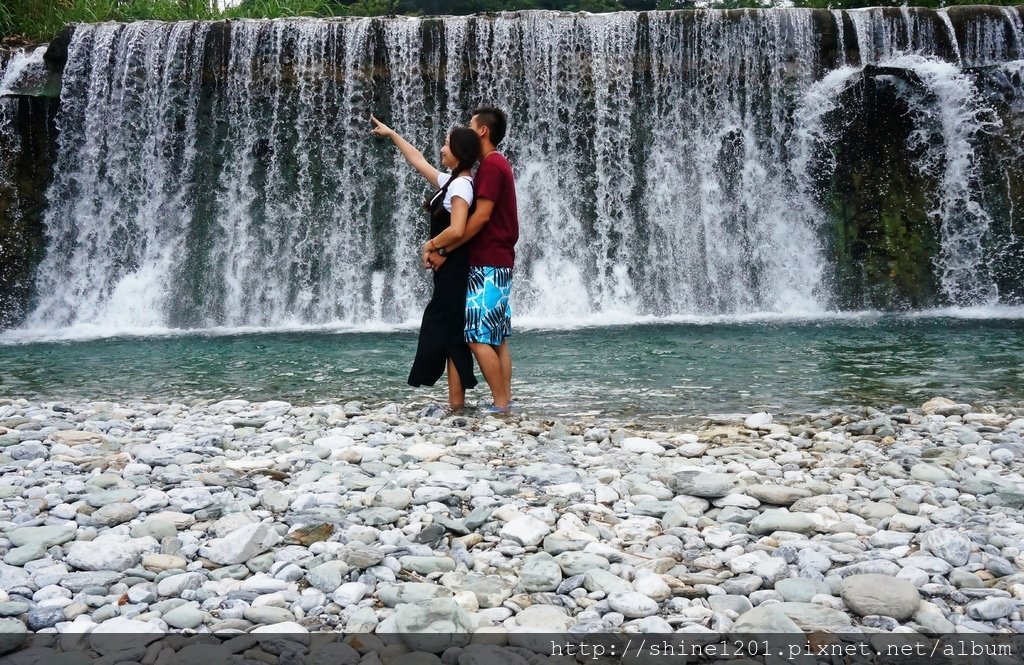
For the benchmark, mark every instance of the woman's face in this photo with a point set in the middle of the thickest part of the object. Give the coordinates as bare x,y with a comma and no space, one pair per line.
447,158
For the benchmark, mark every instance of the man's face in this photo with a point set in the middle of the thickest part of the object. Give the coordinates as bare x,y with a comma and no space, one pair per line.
477,126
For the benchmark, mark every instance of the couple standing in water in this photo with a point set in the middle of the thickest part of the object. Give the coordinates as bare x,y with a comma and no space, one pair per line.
474,226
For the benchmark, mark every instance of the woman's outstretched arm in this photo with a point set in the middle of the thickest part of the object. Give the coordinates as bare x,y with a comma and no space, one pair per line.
411,154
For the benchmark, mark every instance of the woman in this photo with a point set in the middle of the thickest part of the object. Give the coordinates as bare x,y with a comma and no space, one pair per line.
441,340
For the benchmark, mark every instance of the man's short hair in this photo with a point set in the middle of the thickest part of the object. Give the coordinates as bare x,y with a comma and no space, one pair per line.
494,120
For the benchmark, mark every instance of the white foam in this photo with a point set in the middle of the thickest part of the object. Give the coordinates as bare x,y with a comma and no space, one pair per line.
91,332
21,62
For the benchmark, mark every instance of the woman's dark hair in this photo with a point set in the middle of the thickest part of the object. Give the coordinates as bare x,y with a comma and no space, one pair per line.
465,146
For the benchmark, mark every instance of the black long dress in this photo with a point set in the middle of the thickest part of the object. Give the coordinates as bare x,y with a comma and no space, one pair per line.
442,333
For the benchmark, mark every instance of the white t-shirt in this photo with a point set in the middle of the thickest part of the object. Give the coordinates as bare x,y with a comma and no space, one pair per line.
462,188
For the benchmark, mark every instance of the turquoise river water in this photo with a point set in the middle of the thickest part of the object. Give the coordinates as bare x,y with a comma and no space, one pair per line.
649,372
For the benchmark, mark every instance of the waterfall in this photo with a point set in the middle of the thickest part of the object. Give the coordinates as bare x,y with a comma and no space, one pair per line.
949,115
21,64
222,174
21,71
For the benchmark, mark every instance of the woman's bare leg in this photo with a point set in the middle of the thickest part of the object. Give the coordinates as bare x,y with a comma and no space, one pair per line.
456,393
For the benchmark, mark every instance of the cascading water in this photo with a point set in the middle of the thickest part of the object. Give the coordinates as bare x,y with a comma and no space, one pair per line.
22,119
215,174
20,64
948,97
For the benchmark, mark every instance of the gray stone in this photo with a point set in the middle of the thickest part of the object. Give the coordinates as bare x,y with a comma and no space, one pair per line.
801,590
704,483
113,553
908,523
934,622
155,527
40,618
328,576
477,517
350,593
119,634
267,614
392,595
602,580
873,510
546,618
814,618
105,498
202,654
569,584
737,604
632,605
240,545
742,585
578,563
540,572
184,616
874,567
275,501
425,565
780,519
153,455
161,562
991,609
640,446
13,634
947,544
525,530
765,619
172,585
880,594
113,514
490,590
13,608
28,450
19,556
332,653
930,564
42,536
962,579
999,566
433,625
77,582
931,473
362,621
379,516
779,495
361,556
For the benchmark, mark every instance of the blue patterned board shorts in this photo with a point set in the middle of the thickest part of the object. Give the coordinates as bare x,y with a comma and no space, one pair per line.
488,311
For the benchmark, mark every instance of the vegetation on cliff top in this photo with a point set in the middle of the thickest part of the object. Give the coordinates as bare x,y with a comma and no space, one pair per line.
40,20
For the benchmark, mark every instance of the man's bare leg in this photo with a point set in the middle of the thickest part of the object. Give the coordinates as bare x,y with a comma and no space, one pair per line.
456,393
505,358
490,366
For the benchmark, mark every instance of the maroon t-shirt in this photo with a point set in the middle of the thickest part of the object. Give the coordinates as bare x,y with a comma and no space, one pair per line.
495,244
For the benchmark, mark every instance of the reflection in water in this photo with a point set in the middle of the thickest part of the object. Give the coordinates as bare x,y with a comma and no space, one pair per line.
649,372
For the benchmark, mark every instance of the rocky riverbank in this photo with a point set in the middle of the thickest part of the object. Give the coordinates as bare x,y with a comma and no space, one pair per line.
236,516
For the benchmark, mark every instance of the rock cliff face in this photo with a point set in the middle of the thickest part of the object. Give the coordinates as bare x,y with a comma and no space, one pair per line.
669,163
26,160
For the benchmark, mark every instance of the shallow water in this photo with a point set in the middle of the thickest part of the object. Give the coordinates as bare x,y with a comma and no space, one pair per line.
653,372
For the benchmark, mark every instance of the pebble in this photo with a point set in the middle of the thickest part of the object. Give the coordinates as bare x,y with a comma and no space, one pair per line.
633,605
878,594
377,519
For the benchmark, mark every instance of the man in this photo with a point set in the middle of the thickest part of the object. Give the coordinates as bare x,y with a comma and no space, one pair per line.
492,231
